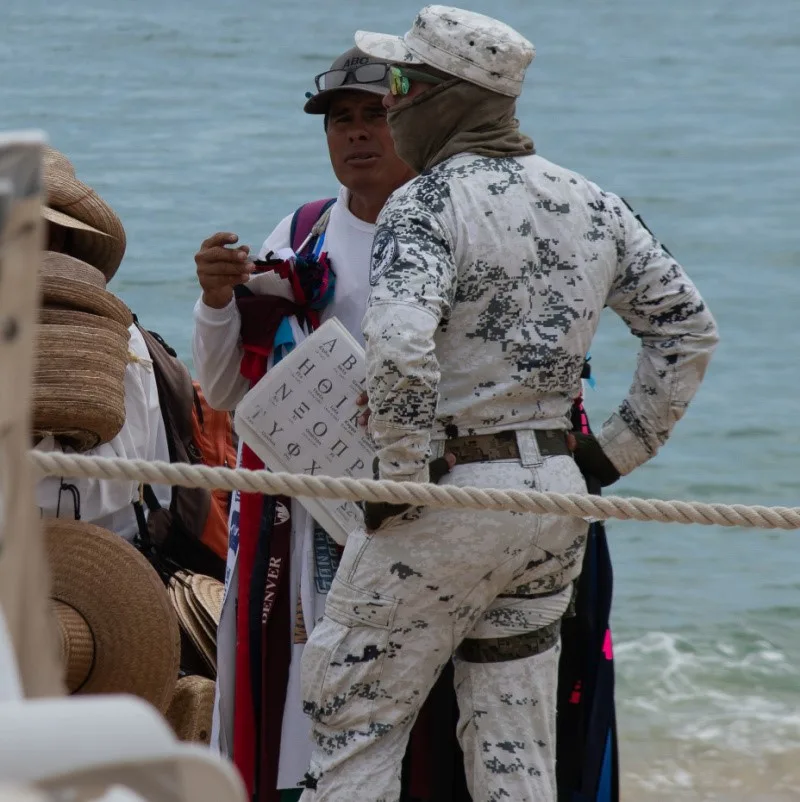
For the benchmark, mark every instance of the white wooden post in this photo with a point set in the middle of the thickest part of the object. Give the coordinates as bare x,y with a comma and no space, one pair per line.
24,578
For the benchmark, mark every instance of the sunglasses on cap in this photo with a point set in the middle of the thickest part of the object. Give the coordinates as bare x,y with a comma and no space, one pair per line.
399,79
365,74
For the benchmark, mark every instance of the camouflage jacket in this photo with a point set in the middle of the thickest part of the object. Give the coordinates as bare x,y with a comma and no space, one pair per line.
488,279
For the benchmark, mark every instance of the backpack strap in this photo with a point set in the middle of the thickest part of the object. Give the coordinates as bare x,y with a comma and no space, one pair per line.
142,538
304,220
176,396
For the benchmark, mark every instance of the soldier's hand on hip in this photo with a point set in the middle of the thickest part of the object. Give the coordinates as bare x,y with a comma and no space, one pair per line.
591,458
376,512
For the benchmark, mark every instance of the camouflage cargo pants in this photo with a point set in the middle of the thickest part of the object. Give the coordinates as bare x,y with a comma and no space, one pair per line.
481,587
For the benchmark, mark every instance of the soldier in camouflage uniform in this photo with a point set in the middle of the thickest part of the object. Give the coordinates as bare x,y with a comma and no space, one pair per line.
489,274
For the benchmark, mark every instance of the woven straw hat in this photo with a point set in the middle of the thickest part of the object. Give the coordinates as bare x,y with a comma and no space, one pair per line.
68,283
118,630
209,593
86,320
98,236
62,265
196,621
79,384
192,624
192,708
82,354
60,293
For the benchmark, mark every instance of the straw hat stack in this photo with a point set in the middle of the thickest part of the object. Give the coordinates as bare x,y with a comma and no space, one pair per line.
79,393
197,600
81,355
119,633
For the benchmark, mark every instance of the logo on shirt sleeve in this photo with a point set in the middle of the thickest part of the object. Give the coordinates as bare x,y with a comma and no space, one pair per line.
384,253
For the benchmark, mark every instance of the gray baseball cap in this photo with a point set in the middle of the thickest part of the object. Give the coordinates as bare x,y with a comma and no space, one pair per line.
353,70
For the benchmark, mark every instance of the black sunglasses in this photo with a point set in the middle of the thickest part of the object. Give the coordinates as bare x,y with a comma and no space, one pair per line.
365,74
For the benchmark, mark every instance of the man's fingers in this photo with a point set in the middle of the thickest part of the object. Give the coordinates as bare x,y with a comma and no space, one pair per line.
572,442
363,400
220,238
220,255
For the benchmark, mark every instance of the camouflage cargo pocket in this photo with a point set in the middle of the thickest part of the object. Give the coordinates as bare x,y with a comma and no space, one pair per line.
344,658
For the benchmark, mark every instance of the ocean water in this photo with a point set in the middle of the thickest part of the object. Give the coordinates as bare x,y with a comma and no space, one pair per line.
186,117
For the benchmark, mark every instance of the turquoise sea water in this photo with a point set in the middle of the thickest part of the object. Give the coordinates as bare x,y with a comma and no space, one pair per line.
186,117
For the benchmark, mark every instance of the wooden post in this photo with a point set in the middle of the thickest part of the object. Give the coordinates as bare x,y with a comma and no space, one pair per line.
24,576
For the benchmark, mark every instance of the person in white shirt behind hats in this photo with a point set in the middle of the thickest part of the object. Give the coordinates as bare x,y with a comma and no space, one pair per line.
83,225
489,273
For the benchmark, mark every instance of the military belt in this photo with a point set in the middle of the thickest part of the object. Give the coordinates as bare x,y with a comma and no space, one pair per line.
503,445
514,647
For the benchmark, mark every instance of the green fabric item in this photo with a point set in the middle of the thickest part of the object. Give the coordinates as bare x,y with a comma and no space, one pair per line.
456,117
291,795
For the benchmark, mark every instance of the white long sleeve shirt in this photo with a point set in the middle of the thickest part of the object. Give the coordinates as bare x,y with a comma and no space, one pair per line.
104,503
216,347
488,279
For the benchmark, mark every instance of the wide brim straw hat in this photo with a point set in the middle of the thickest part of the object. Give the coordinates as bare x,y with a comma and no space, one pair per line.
68,283
98,236
79,384
192,708
62,265
208,593
119,632
198,626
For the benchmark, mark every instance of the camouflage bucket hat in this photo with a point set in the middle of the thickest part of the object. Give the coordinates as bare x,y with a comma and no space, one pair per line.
464,44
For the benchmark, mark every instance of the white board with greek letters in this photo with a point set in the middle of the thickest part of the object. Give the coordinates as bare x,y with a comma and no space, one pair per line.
302,417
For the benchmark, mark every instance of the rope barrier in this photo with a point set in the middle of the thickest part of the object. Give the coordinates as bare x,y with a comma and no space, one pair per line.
430,495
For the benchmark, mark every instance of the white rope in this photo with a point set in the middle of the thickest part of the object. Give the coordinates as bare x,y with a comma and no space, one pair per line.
286,484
